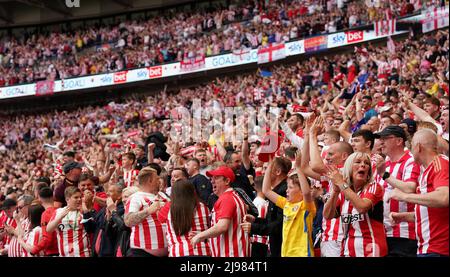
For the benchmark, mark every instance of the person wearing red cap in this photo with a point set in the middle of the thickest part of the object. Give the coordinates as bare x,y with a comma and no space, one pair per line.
227,238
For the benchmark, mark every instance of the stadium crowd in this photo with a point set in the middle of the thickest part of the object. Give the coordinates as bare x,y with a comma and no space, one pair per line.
138,43
360,168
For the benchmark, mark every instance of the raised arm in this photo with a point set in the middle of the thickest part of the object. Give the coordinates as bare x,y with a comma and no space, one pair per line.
317,164
220,148
245,151
267,185
150,155
53,224
359,111
106,177
305,151
335,101
304,185
344,130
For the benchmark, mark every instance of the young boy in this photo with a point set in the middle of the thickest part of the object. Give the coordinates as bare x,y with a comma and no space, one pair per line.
298,212
73,225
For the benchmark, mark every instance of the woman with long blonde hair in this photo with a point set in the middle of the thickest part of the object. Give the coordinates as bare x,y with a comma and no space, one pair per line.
359,203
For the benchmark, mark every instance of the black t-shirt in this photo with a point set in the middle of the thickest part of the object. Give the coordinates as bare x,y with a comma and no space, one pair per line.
140,163
241,181
203,186
272,225
432,58
58,194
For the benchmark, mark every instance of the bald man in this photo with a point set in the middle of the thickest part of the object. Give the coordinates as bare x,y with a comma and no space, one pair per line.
431,213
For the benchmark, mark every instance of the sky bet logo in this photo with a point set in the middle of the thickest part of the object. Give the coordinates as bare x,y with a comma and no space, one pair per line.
73,3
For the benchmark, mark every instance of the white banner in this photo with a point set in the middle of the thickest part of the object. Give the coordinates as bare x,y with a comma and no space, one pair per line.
271,53
434,18
227,60
336,40
295,48
17,91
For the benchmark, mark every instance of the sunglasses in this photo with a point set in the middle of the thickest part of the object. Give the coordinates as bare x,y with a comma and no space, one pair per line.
21,207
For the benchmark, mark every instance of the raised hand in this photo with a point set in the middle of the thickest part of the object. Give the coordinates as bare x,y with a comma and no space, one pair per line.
318,126
298,159
308,124
110,204
151,146
334,175
88,200
64,212
18,216
381,164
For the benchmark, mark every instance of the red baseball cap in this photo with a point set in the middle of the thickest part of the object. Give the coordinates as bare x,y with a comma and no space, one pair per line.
224,171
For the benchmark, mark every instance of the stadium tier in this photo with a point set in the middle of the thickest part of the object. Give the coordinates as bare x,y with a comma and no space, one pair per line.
326,134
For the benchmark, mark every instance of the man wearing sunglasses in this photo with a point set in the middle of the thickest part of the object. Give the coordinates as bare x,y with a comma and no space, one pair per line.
21,217
6,219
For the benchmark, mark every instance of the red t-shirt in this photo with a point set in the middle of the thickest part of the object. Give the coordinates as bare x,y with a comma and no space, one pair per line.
432,223
48,243
234,242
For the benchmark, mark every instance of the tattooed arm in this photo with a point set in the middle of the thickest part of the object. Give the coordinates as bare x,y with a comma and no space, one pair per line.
132,219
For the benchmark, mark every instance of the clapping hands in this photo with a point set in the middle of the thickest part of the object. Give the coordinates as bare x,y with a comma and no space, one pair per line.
335,177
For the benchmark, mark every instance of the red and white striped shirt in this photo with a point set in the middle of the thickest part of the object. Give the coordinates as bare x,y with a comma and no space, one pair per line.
58,170
234,242
332,230
432,223
150,234
406,170
72,238
384,68
33,238
396,63
364,234
5,220
180,246
129,176
263,206
15,249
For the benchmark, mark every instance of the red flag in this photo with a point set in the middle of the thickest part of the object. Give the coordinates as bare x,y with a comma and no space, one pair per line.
45,87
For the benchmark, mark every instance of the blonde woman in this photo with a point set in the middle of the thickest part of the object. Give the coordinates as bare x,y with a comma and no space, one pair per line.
359,202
